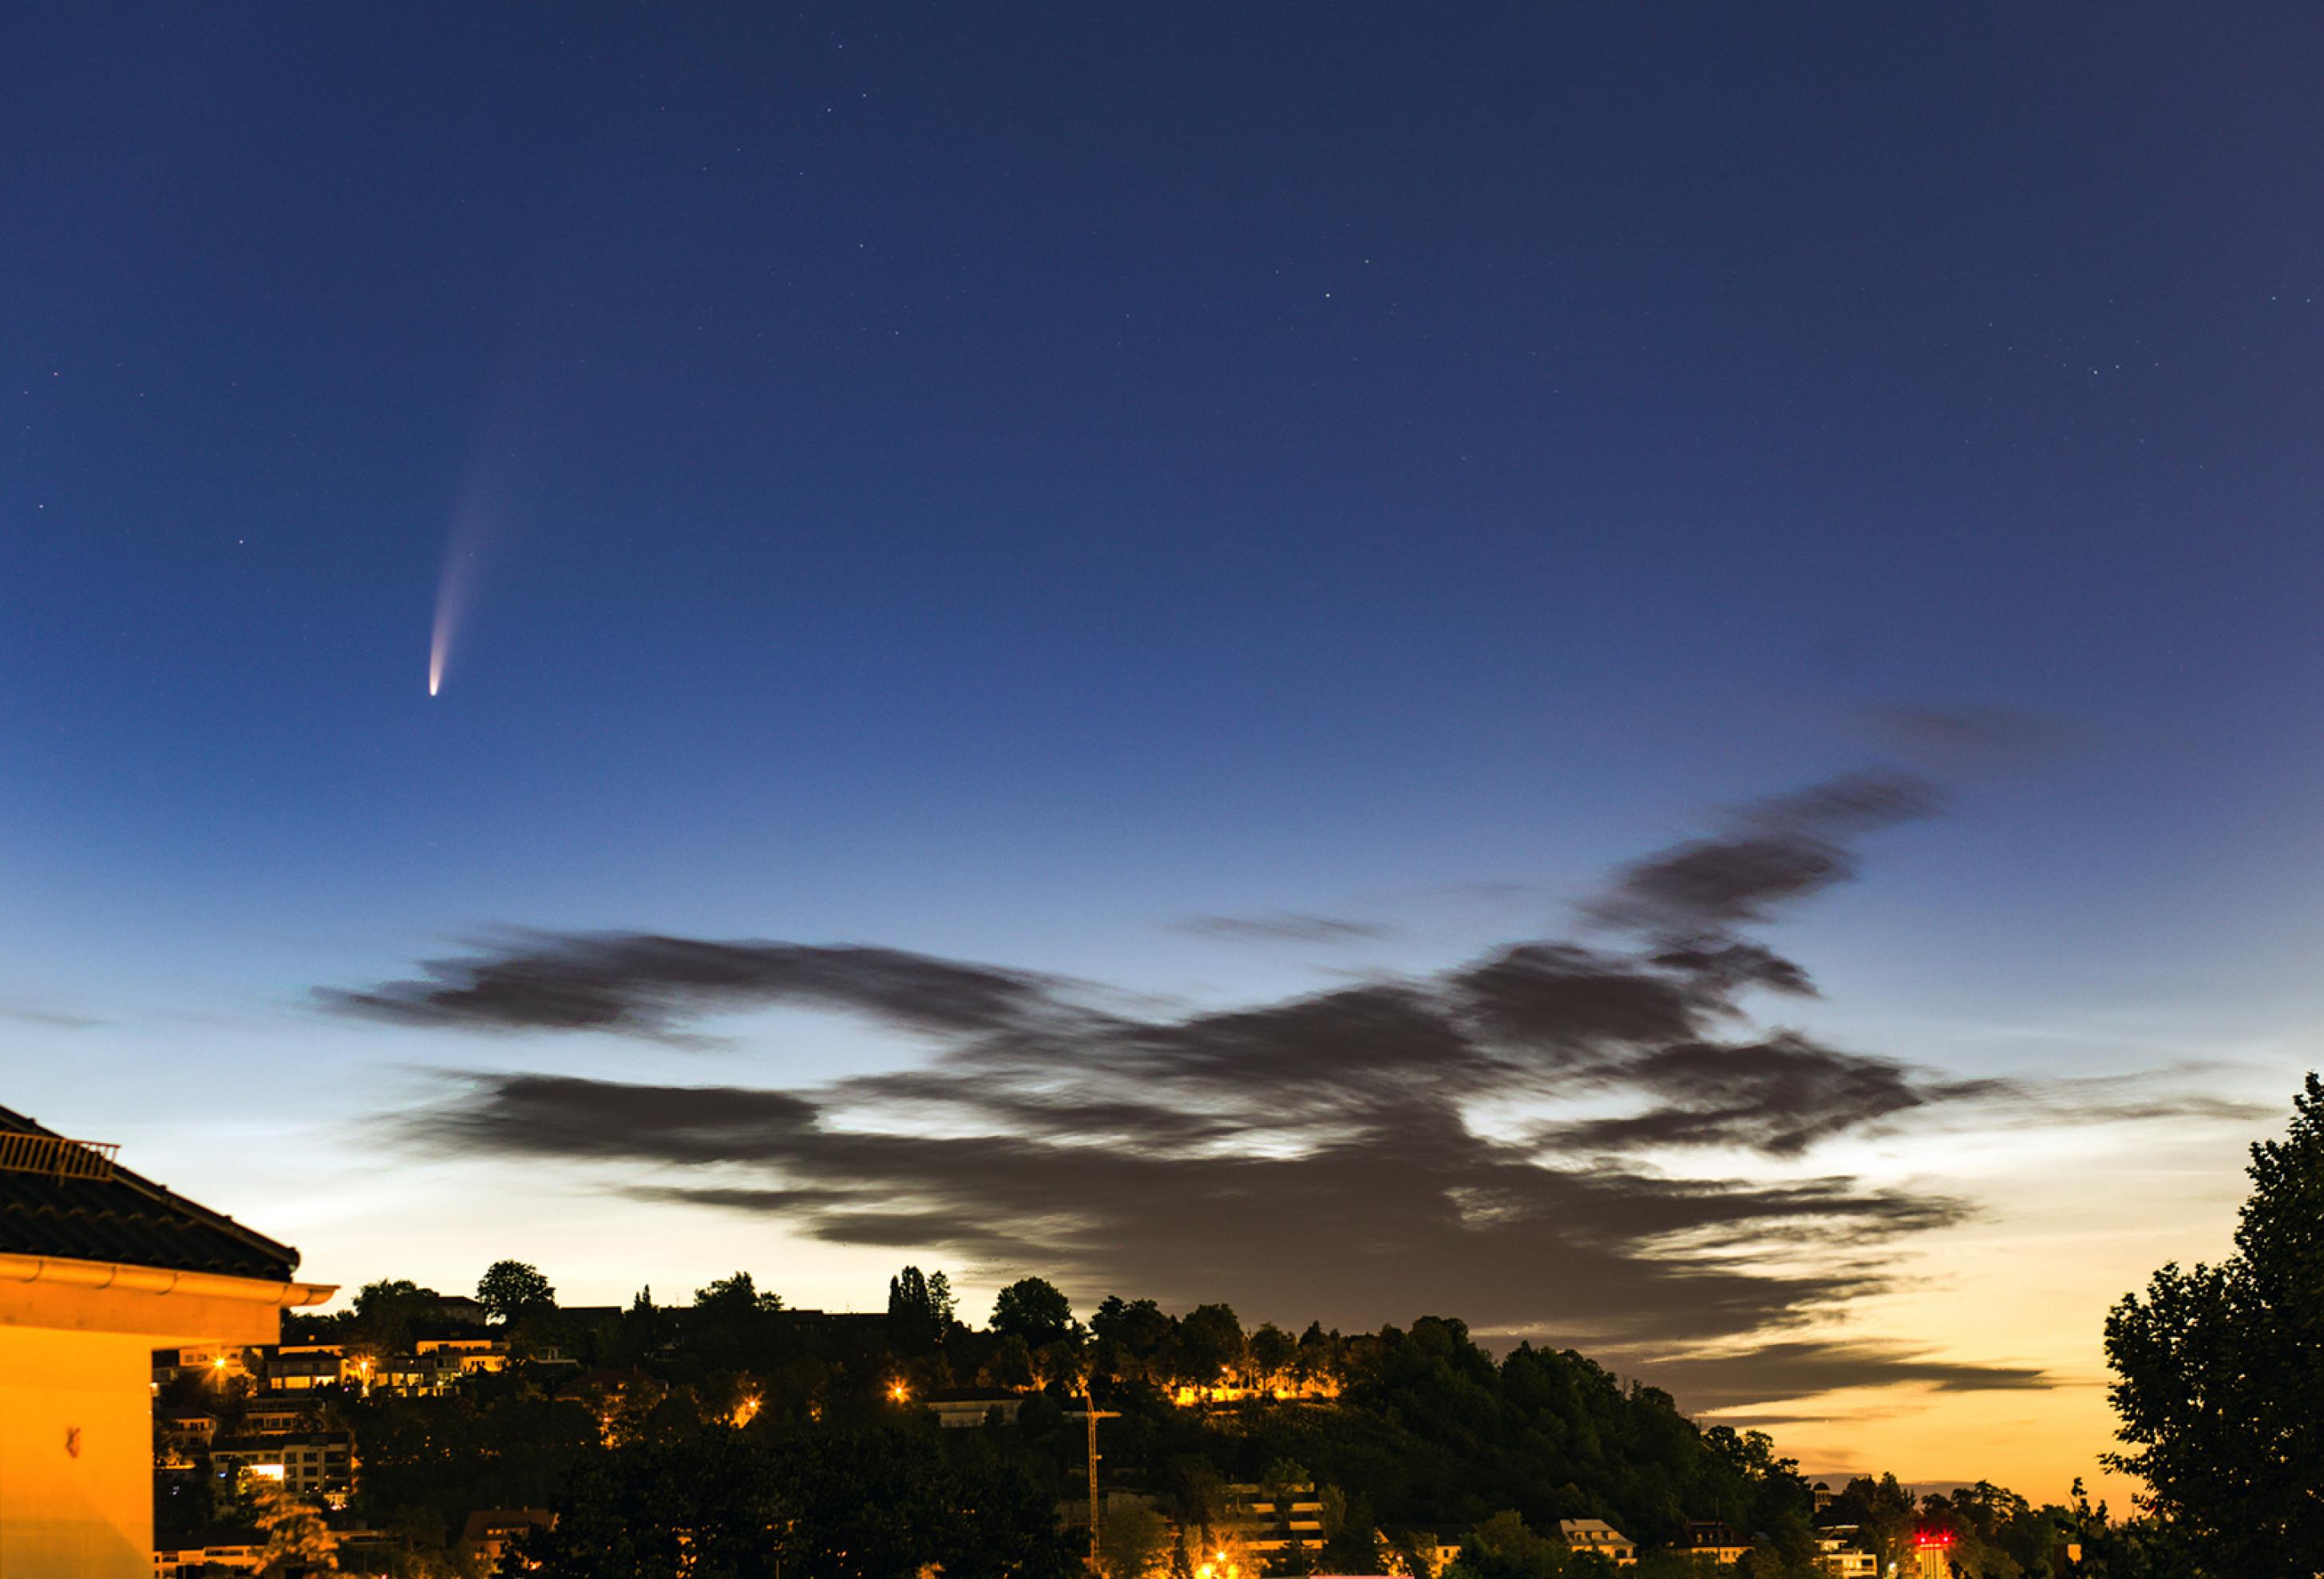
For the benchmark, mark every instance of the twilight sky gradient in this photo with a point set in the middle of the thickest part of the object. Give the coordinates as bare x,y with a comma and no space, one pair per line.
1227,652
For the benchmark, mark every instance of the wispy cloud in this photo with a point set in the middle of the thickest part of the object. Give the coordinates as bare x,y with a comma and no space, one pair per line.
640,983
1286,927
43,1015
1802,1367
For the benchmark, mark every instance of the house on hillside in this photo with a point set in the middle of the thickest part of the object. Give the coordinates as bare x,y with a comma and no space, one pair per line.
98,1268
1840,1555
1595,1535
1710,1540
966,1407
490,1531
1274,1519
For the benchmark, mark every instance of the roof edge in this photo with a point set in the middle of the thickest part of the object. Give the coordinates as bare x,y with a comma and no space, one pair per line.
274,1249
129,1278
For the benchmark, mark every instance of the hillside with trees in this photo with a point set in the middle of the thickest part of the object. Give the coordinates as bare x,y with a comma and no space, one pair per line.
743,1434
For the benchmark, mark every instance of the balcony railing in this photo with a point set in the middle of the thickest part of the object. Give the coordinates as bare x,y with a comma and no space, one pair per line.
56,1156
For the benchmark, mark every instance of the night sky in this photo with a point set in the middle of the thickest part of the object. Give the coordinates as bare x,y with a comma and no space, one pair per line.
1646,673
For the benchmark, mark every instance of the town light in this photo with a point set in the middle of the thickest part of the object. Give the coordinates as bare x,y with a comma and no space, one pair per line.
898,1392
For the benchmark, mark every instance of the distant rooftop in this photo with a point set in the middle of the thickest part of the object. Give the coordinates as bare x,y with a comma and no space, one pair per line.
71,1200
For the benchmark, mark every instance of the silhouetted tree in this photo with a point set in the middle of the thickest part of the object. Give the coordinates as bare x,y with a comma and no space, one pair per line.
734,1295
2219,1372
1351,1536
1272,1350
1505,1548
1211,1344
1032,1308
385,1310
509,1289
919,1309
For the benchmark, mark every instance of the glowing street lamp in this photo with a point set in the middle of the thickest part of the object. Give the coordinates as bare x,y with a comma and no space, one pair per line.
898,1393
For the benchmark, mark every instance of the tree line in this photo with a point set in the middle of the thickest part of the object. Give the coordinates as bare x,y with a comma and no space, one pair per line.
728,1434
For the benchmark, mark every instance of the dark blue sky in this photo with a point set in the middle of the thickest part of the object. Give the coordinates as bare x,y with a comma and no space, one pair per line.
1003,482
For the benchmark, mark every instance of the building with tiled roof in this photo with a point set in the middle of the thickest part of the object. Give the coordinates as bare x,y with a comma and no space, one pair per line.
1595,1535
99,1267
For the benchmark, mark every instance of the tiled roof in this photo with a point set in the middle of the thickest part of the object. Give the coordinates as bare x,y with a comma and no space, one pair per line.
126,1218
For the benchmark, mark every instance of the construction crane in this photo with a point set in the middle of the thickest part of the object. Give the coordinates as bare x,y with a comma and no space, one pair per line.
1093,1415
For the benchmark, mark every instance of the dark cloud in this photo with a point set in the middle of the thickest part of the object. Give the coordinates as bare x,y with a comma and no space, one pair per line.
1781,849
1732,965
1284,928
565,1116
1779,1097
1771,1372
1318,1155
642,983
1555,998
1345,1226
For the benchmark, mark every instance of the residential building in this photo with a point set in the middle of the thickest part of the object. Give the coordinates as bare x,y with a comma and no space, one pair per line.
1840,1557
1931,1557
243,1553
436,1372
469,1355
1273,1519
489,1531
972,1406
272,1417
1434,1550
1595,1535
312,1465
99,1267
182,1441
219,1362
301,1367
454,1310
1708,1540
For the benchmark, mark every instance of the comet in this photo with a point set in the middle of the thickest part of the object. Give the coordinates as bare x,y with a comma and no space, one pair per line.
474,542
450,598
460,561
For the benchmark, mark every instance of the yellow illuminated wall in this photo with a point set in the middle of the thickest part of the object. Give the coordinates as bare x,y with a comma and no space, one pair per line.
75,1455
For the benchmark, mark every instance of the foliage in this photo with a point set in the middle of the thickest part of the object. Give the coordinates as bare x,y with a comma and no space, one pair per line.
1210,1343
1503,1547
1133,1543
843,1503
707,1506
509,1289
1350,1534
385,1312
735,1415
298,1541
736,1296
919,1309
2219,1372
1032,1308
431,1460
